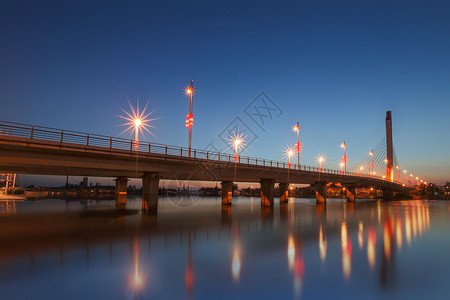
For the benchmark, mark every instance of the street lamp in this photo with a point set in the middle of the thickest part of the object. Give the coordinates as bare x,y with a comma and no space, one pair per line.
344,158
298,146
237,141
190,116
371,163
289,152
321,159
137,121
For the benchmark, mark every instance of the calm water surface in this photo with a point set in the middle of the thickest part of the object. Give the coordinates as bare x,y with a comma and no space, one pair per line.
195,249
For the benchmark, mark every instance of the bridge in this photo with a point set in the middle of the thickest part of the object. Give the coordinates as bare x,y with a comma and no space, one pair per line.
30,149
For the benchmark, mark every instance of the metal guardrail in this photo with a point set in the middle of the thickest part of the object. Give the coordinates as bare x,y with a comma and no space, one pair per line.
146,148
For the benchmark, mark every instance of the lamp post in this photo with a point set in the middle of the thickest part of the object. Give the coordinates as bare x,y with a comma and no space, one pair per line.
344,145
371,163
289,153
298,147
190,117
320,160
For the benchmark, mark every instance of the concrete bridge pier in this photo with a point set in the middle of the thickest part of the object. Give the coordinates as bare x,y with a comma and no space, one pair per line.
150,185
321,192
227,192
267,192
283,188
351,193
388,195
121,192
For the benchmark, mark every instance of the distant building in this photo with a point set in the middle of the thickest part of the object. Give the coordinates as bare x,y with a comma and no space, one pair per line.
84,183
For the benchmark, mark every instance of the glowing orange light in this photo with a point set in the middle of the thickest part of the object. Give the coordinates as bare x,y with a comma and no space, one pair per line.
371,153
346,252
398,236
291,252
236,263
371,248
137,121
237,140
408,228
322,245
360,235
387,240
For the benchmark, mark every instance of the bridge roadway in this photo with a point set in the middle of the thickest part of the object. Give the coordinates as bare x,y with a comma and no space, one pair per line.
26,149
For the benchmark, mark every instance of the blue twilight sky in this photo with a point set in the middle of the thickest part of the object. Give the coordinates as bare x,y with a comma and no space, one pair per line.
335,66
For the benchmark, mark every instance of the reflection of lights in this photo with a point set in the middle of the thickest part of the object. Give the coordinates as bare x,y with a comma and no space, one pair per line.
346,252
414,223
344,236
137,280
322,245
387,240
379,212
371,242
360,235
408,227
236,263
299,270
427,214
398,231
291,252
419,220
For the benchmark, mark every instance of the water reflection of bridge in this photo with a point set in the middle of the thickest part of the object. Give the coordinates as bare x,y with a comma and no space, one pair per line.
365,226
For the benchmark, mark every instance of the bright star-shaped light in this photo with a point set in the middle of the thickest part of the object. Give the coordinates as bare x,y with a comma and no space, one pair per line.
321,159
288,152
137,121
237,140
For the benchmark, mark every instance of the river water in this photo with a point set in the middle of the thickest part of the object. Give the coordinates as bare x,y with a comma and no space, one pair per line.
195,249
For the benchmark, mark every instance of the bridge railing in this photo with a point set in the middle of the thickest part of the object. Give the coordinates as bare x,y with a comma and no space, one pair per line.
68,137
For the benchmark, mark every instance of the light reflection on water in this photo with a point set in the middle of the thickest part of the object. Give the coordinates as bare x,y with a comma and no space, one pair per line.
83,249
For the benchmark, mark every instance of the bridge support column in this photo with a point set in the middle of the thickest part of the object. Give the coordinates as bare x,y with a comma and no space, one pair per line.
227,192
388,195
351,193
121,192
284,192
321,192
150,185
267,192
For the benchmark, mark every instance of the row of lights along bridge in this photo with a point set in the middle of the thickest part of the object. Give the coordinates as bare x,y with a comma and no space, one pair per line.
237,141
